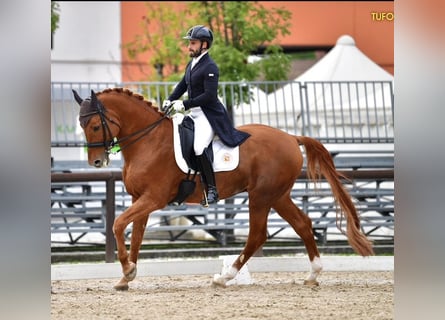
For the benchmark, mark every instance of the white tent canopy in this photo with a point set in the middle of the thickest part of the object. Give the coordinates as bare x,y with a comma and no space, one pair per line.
344,62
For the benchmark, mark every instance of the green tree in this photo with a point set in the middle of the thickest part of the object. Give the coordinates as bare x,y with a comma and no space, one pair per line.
166,54
55,16
55,9
241,28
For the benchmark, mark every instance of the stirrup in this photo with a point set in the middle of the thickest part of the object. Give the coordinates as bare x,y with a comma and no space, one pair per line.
205,202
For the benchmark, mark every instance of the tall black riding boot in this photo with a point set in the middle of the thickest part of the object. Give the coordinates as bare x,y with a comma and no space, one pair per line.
209,178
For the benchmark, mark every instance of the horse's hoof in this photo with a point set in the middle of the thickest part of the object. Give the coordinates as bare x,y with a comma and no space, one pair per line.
311,283
129,276
219,281
122,285
216,284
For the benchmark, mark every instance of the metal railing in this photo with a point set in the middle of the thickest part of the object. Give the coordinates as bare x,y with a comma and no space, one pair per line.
333,112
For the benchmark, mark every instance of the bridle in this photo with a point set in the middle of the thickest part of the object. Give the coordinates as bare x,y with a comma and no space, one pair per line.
109,144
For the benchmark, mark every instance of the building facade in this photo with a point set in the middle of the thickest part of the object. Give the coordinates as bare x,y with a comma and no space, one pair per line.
315,26
88,45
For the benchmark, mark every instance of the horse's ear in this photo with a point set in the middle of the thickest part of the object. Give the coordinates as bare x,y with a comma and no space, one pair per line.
93,98
77,97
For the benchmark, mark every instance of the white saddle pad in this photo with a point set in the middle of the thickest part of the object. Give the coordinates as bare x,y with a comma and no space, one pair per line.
224,157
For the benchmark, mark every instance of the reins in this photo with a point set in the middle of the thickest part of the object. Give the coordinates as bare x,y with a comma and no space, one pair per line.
142,133
111,143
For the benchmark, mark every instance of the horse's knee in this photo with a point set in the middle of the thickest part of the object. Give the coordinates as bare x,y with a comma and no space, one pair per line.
118,227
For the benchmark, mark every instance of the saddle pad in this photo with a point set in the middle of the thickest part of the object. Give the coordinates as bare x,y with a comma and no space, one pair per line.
224,157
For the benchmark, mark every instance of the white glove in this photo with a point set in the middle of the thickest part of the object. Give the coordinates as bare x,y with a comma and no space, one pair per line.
166,105
178,105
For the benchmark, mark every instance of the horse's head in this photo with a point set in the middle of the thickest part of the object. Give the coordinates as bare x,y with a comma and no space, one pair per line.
99,128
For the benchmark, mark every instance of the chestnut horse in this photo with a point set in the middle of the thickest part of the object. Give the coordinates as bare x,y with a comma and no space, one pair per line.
270,161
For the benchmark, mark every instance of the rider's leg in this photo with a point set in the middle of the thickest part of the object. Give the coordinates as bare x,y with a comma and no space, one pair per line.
203,136
206,168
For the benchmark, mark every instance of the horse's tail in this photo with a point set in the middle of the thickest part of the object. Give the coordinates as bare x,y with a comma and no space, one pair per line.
319,162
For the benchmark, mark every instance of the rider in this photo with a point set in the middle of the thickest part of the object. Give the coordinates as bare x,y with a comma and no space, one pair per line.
210,116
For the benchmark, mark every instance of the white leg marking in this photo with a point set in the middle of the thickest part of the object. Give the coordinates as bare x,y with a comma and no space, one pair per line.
316,268
221,279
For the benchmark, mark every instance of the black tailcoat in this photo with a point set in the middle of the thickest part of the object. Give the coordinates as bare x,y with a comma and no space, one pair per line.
201,84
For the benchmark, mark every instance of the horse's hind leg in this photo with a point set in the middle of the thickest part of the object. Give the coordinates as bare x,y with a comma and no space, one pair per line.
257,236
302,225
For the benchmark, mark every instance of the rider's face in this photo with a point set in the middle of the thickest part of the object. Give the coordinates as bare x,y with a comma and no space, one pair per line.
195,48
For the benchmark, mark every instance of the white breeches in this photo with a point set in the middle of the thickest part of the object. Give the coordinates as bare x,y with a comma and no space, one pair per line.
203,130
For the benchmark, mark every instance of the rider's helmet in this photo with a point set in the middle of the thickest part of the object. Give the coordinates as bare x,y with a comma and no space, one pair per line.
201,33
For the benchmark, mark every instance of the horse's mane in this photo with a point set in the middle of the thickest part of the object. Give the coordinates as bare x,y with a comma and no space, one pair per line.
129,93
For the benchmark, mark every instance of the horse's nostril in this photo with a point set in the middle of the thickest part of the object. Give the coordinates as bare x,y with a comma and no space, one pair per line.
97,163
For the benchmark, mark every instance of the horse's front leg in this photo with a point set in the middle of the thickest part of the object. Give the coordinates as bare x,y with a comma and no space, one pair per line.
138,213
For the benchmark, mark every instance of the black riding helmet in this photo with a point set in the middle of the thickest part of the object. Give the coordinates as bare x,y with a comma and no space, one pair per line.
201,33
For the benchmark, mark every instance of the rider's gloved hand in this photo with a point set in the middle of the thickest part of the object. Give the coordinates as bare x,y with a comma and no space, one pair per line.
166,104
178,105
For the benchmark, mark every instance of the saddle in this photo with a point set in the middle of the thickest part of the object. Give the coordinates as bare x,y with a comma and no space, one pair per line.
223,158
186,136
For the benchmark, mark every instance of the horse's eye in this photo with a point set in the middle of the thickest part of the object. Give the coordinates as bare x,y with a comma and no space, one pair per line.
96,128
